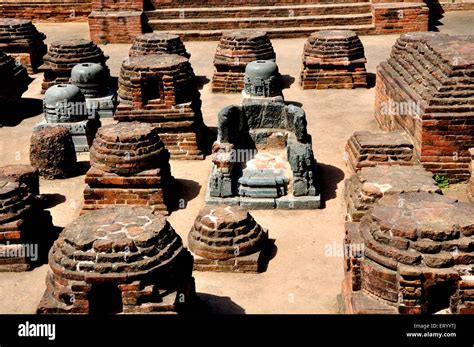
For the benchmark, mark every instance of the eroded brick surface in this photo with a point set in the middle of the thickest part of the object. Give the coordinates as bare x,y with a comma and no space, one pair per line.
135,253
424,88
333,59
227,238
366,149
20,39
235,50
62,56
363,189
417,252
129,166
161,89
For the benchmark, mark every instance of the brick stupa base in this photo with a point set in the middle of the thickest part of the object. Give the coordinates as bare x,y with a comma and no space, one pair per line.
23,223
118,260
20,39
429,79
365,149
235,50
363,189
129,166
333,59
411,254
161,89
62,56
227,239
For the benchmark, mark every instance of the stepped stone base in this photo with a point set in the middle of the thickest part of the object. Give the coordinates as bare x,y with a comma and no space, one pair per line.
287,202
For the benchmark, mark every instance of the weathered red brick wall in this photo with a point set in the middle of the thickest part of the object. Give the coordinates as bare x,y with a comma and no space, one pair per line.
455,5
391,18
50,11
227,3
470,188
441,141
116,21
115,27
117,5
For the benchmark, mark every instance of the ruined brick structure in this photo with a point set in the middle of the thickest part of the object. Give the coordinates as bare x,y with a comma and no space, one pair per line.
64,105
23,222
333,59
161,89
52,152
121,21
235,50
48,11
129,166
154,43
227,239
20,39
118,260
423,89
410,254
14,78
115,21
470,187
365,149
363,189
62,56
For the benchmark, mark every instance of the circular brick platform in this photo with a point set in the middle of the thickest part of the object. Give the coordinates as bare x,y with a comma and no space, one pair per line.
128,148
21,39
16,30
13,200
225,232
417,252
246,46
62,56
157,42
235,50
137,253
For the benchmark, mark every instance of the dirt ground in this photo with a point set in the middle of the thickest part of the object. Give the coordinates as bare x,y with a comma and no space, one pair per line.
300,278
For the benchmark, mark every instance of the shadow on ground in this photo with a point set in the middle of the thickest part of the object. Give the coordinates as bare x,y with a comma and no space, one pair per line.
286,81
371,77
435,15
201,81
213,304
329,177
13,115
51,200
271,251
186,191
